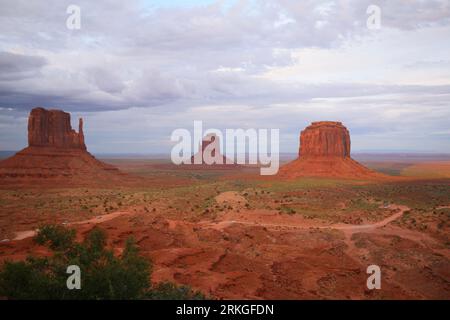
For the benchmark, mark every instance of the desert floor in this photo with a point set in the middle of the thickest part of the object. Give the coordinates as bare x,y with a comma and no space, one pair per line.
233,234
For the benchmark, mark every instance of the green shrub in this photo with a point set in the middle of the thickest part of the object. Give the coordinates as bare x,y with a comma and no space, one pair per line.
103,275
55,236
170,291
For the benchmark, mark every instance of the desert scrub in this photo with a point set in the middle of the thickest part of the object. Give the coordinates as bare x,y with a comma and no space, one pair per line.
103,275
169,291
287,210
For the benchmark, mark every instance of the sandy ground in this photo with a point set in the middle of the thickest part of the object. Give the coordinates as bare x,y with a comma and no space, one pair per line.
236,235
21,235
260,254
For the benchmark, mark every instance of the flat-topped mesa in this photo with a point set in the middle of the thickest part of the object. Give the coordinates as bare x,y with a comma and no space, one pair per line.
325,152
325,139
52,128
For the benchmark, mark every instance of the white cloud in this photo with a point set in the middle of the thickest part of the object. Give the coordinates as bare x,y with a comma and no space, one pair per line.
135,74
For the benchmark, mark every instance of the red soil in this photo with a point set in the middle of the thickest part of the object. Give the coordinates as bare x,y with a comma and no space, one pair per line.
333,167
258,254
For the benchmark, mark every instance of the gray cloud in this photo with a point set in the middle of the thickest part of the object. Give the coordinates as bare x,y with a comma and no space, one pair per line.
17,66
133,57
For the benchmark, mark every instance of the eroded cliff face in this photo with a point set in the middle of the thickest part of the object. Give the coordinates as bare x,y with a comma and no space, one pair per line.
56,155
325,152
210,154
325,139
52,128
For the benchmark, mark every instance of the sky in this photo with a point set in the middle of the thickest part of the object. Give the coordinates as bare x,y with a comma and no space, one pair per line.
137,70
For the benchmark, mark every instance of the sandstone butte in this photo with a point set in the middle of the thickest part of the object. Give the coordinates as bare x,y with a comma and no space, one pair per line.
325,152
55,154
211,144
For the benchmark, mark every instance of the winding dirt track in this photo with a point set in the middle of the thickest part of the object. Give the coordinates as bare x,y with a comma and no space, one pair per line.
338,226
21,235
227,266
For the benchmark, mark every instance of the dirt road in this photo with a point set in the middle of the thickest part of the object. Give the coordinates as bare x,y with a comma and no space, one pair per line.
21,235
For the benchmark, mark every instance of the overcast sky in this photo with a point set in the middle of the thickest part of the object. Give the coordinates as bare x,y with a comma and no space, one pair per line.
137,70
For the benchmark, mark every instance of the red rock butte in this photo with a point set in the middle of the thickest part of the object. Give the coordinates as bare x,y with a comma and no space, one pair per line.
211,144
325,152
55,154
51,128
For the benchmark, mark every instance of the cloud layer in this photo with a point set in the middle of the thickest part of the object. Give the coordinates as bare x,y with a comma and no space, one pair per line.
136,70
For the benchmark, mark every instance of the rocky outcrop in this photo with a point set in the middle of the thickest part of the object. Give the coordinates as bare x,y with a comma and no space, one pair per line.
52,128
209,154
56,155
325,138
325,152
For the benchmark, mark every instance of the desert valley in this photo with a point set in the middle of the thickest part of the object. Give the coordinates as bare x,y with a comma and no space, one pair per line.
309,232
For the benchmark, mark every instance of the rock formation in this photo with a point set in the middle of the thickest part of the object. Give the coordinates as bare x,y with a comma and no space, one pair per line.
325,152
325,139
56,154
51,128
209,154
